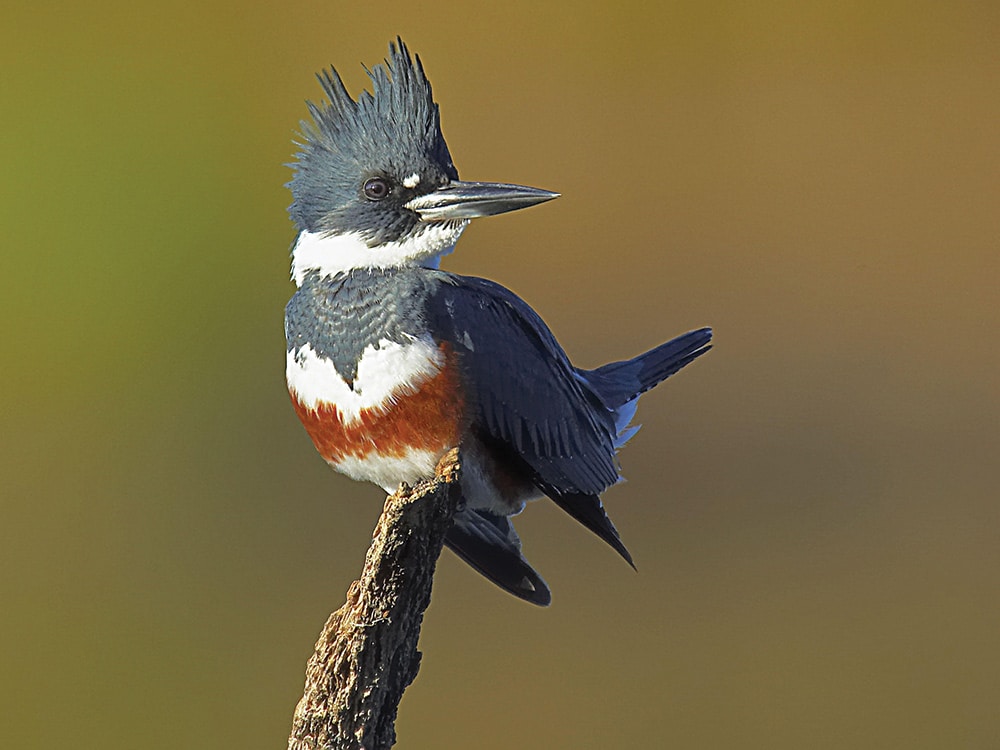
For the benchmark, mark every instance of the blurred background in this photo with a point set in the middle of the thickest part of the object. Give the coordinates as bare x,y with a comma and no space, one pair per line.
812,507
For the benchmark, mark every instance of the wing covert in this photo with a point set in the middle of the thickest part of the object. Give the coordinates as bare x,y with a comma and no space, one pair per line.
526,392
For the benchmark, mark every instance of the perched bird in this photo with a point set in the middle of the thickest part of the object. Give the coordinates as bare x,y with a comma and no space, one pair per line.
392,362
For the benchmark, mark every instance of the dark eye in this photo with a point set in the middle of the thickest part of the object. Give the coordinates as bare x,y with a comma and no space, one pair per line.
376,189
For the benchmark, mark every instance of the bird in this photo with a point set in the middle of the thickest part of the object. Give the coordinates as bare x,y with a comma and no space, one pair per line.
391,362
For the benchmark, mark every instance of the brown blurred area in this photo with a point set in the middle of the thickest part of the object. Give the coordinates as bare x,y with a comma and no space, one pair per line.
812,507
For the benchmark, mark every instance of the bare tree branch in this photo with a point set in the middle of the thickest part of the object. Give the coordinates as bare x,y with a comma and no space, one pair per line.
367,654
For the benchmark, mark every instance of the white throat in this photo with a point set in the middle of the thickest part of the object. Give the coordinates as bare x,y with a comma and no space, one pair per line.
331,254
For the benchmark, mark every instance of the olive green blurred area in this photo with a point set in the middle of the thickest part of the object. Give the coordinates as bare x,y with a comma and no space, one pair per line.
812,506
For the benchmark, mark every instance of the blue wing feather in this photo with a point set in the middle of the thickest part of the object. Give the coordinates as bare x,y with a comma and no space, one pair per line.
565,424
527,393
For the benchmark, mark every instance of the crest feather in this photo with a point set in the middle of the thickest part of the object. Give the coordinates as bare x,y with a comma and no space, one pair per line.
393,126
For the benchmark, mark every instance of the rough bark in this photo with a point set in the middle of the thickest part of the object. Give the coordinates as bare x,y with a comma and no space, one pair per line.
367,654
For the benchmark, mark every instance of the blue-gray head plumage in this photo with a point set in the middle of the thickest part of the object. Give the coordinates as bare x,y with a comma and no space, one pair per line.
392,134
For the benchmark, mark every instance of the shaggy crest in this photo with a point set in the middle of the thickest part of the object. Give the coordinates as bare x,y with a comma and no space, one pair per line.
394,130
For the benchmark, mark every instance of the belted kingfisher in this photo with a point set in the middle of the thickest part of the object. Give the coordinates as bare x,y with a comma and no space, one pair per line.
392,362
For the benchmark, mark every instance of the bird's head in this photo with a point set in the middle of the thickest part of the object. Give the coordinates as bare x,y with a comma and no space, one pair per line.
374,183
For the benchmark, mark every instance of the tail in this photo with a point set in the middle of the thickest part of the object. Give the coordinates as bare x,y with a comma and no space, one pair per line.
490,544
619,383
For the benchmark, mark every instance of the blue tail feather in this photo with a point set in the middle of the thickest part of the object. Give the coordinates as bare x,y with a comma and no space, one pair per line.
490,544
618,383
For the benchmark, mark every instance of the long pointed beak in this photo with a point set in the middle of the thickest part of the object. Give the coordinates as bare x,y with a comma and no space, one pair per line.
468,200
